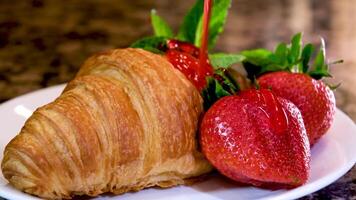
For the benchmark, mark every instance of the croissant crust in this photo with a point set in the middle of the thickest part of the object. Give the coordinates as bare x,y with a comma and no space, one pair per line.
127,121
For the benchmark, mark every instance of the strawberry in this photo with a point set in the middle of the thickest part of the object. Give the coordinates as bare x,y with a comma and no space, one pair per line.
190,67
186,47
257,138
314,99
290,73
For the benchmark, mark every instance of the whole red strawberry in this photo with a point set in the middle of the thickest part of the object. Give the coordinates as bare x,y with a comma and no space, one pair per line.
257,138
314,99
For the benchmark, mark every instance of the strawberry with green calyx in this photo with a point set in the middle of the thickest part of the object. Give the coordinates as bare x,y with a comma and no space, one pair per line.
286,71
257,137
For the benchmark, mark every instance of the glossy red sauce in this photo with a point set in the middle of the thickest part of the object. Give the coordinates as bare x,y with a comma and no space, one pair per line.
272,106
189,59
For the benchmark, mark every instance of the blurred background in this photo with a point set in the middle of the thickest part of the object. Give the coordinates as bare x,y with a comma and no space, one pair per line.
44,42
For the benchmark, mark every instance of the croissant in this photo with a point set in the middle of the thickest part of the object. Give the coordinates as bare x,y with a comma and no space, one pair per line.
127,121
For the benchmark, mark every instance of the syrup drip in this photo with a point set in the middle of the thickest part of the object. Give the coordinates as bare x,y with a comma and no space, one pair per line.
203,57
277,114
190,60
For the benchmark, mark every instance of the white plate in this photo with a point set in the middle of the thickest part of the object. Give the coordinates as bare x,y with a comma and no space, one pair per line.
332,157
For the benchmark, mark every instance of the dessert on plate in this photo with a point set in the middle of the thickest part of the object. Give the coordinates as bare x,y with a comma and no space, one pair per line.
167,110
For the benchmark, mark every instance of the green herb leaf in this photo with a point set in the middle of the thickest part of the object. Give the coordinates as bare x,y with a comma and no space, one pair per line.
225,60
160,27
306,55
259,57
153,44
295,48
320,58
219,85
334,87
227,81
217,21
255,61
190,23
319,74
293,57
280,55
321,68
213,92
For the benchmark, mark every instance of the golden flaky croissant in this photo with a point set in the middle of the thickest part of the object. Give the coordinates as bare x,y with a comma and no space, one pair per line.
127,121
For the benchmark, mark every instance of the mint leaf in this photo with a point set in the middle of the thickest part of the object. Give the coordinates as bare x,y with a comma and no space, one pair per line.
260,61
223,60
260,57
217,21
190,23
153,44
160,27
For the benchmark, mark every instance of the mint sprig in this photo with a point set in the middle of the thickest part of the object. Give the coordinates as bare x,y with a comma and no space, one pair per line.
223,60
190,30
216,26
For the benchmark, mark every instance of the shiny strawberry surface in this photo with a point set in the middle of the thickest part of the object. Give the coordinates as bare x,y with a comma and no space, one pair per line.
183,47
257,138
314,99
185,57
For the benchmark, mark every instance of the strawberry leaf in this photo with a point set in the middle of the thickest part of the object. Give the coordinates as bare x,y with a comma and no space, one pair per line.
258,57
217,21
213,92
280,55
219,85
190,23
306,55
320,58
334,87
160,27
293,57
154,44
226,80
321,68
295,48
222,60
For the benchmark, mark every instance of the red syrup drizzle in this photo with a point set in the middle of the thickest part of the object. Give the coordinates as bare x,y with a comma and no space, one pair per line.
203,56
190,60
272,107
277,116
